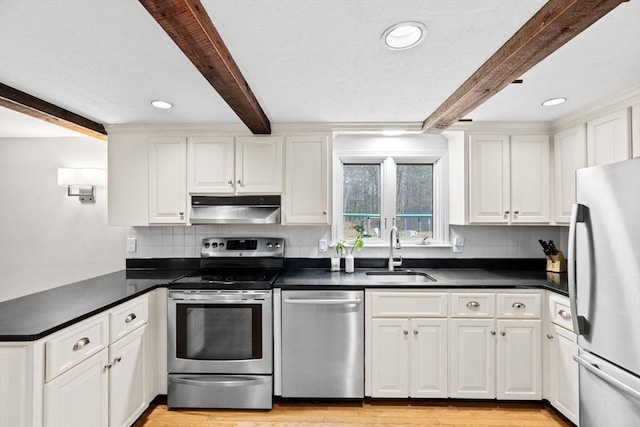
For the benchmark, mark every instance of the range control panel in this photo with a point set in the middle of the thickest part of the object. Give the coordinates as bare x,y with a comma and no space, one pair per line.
237,247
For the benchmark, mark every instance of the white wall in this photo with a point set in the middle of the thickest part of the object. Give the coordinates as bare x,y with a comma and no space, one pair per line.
48,239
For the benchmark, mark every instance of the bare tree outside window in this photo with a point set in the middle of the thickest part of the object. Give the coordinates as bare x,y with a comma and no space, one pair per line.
414,200
361,199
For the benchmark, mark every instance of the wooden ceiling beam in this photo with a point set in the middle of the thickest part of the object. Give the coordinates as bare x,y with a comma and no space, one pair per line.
24,103
189,26
557,22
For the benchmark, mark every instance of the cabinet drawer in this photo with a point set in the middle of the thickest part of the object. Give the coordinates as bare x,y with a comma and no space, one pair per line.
74,344
408,304
127,317
518,306
473,305
559,311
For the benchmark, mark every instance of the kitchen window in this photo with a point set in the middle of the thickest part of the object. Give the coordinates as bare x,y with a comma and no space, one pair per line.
378,191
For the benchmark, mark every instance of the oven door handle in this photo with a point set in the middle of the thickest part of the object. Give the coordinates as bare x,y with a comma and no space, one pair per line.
214,300
322,301
224,381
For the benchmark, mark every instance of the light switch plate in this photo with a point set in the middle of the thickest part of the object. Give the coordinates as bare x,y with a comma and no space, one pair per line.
131,244
322,245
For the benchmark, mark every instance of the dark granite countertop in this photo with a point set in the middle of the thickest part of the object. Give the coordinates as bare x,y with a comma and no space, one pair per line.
322,278
34,316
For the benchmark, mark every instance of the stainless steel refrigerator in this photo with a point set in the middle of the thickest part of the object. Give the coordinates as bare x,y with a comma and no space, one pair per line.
604,290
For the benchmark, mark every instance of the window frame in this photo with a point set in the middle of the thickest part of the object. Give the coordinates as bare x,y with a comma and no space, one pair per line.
388,160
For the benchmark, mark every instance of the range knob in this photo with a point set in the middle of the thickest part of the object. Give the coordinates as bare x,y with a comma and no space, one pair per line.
269,245
278,245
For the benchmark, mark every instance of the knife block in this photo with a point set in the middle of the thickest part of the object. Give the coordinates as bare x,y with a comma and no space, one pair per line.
556,263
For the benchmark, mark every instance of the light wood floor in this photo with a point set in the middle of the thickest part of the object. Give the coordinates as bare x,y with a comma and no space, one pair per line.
378,414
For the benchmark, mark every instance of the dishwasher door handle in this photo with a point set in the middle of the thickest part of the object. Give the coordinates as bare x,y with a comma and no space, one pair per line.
322,301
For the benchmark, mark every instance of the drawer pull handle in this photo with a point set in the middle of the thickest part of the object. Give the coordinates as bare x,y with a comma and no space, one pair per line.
81,343
473,305
518,305
565,314
130,318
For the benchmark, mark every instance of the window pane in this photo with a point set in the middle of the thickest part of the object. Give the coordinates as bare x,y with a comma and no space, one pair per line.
361,202
414,200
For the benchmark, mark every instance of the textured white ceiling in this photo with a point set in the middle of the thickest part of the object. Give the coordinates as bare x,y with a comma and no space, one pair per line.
306,61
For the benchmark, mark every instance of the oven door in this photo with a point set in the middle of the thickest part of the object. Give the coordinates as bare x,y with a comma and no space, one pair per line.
220,332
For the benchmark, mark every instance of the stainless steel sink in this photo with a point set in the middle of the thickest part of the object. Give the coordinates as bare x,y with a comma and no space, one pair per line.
403,276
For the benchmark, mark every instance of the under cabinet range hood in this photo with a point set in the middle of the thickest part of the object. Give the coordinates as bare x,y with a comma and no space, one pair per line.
235,210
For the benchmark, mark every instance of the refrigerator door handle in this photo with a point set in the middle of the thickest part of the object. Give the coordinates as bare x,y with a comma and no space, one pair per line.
593,368
578,214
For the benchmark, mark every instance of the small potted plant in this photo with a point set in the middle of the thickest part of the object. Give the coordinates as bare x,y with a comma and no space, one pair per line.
335,260
357,244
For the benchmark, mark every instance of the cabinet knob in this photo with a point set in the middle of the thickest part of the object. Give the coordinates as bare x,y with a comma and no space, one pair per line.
324,212
549,336
107,366
230,182
473,305
506,214
492,332
518,305
240,182
116,360
503,333
415,332
516,212
405,332
564,314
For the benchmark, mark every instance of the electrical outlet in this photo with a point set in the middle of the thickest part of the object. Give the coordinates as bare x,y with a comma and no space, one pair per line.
131,244
458,244
322,245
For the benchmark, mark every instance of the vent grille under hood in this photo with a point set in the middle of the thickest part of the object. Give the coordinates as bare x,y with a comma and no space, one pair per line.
235,210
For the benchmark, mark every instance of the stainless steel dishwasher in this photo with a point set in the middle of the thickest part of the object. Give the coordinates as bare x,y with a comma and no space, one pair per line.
323,344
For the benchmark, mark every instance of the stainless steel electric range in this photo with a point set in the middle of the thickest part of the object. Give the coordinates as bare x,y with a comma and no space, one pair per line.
220,326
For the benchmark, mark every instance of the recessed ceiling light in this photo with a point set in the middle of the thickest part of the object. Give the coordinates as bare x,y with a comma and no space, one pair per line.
161,104
553,101
404,35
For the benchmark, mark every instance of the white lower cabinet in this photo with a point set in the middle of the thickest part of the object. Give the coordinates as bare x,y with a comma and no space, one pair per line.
127,379
408,356
79,397
472,367
519,360
561,371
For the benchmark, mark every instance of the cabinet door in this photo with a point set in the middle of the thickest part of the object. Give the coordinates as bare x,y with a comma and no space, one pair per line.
80,396
530,191
259,165
210,165
563,373
472,367
489,179
429,358
127,379
608,139
390,358
167,180
306,196
569,155
519,360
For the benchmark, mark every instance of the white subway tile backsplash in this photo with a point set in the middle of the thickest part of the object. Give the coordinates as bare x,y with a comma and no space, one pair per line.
302,241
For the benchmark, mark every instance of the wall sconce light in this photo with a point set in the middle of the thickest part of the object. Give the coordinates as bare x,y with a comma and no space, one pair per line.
81,182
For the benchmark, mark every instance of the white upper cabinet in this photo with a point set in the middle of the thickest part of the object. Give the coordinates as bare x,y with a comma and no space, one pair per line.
167,180
228,165
259,164
306,195
569,155
489,178
635,130
210,165
530,198
609,138
509,179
